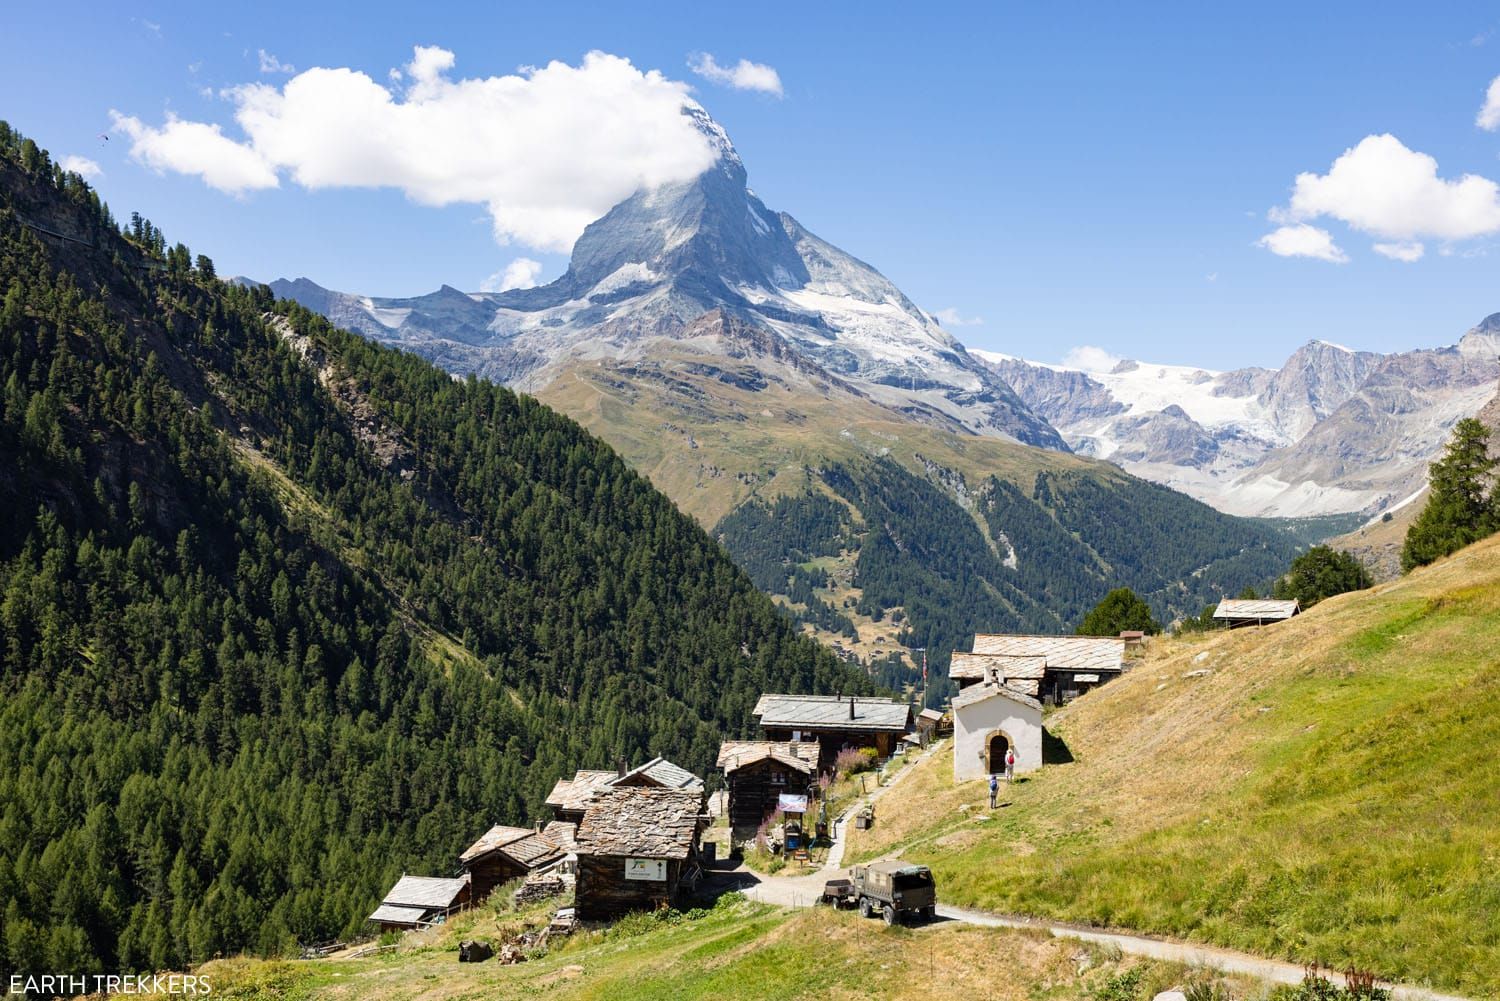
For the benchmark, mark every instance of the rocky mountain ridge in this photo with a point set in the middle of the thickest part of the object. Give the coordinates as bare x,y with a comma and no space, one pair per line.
1333,430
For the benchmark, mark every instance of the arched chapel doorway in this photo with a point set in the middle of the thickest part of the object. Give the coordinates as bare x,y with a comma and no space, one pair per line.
995,760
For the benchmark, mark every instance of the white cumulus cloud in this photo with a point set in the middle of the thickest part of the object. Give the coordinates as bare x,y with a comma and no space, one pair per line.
196,148
743,75
1302,240
1407,252
270,64
1489,114
80,165
951,317
522,272
546,151
1090,359
1383,188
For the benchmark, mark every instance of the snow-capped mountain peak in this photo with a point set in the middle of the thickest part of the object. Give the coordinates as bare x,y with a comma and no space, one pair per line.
668,255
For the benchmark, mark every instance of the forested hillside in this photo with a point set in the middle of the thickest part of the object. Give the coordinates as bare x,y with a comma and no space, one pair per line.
284,613
957,558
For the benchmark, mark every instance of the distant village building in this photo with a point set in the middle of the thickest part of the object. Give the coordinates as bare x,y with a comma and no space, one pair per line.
418,901
1134,638
1053,669
1238,612
834,722
930,725
569,798
758,772
990,719
635,846
507,853
660,773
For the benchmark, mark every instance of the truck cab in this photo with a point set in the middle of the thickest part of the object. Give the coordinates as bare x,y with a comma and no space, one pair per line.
895,890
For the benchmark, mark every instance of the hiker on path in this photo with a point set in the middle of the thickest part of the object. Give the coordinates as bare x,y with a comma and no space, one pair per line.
1010,766
994,789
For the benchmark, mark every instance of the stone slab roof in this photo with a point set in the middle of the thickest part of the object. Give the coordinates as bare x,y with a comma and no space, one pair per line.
1260,609
574,793
563,835
394,914
640,822
1062,653
736,754
664,773
980,693
930,714
426,891
979,666
831,712
496,837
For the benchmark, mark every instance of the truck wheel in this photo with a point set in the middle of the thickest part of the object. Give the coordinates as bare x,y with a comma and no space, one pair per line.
889,913
929,912
864,907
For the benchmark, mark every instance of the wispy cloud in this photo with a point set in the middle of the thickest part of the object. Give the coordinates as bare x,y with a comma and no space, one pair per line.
1090,359
522,272
1489,112
1406,252
951,317
546,151
81,165
743,75
270,64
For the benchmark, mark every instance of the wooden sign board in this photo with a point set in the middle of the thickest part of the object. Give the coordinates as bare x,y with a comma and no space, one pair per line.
653,870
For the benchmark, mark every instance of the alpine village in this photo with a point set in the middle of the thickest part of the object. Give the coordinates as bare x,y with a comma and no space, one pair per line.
707,622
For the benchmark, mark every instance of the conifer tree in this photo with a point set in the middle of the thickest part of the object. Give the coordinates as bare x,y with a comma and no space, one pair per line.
1120,610
1461,503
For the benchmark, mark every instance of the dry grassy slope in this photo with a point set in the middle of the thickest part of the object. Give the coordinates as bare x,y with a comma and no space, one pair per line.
736,952
709,444
1327,792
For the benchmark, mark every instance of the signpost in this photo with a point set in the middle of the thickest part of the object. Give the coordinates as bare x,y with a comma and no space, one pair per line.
651,870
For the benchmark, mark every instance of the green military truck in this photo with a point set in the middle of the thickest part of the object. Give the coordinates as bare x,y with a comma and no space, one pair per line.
895,890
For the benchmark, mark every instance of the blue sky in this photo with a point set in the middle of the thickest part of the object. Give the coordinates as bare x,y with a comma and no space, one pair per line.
1064,174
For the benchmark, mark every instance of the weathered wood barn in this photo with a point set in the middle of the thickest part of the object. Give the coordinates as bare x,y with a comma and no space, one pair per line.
1059,667
756,772
930,726
658,772
418,901
635,844
569,798
834,722
1237,613
506,853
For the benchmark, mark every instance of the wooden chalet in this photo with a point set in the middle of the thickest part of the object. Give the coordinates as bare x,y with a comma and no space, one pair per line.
507,853
569,798
930,725
1053,669
660,773
1236,613
419,901
635,844
757,772
834,722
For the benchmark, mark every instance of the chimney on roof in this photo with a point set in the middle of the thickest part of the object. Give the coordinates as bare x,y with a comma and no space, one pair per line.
619,767
851,707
